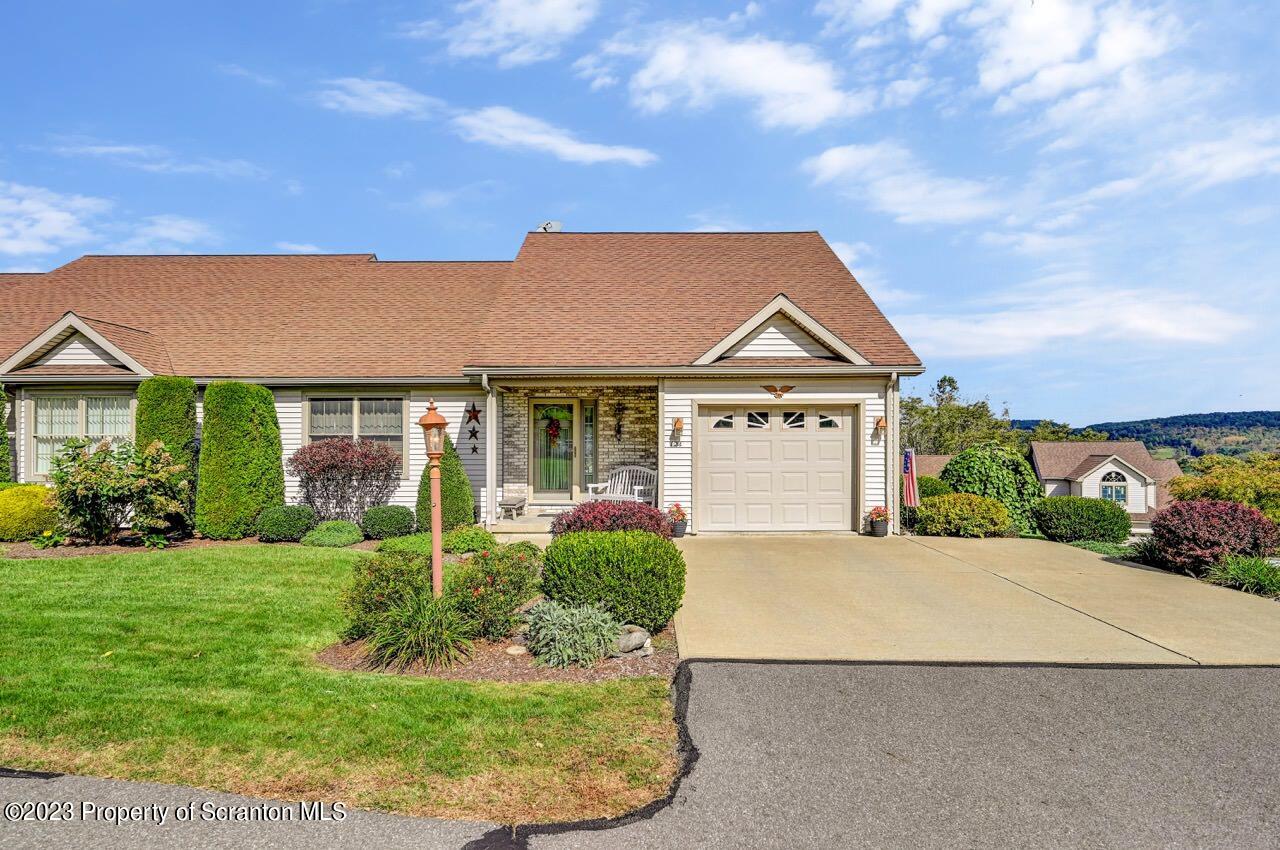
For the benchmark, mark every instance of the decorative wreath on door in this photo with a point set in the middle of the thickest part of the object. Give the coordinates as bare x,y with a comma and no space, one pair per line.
553,431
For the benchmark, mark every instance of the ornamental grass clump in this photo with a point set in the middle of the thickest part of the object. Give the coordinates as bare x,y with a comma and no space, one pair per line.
420,628
1248,573
1194,536
377,583
343,479
564,636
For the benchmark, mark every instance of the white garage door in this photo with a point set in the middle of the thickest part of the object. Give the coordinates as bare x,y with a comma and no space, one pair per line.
776,468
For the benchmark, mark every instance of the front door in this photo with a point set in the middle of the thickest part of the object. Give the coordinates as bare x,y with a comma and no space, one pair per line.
554,449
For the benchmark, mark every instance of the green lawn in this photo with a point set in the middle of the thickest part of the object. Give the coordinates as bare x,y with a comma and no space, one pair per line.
197,667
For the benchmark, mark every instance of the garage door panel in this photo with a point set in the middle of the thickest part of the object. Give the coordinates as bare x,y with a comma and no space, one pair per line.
774,478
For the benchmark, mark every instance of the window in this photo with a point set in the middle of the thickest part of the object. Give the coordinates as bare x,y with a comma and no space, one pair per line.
723,422
589,442
825,421
59,418
378,418
757,419
793,419
1115,488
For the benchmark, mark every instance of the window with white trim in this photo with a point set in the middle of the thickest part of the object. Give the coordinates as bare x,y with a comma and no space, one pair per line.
378,418
55,419
1115,487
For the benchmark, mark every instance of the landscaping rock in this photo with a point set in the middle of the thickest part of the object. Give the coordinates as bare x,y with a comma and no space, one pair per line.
516,649
631,639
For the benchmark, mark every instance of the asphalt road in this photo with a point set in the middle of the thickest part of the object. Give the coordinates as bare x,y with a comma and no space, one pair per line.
826,756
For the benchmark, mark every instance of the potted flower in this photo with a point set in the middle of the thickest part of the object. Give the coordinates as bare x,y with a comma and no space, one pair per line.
879,518
679,520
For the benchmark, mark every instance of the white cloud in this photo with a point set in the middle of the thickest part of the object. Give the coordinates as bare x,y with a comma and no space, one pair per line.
852,15
889,178
377,99
34,220
233,70
1052,316
157,159
166,234
854,255
504,127
1250,149
902,92
518,32
698,65
299,248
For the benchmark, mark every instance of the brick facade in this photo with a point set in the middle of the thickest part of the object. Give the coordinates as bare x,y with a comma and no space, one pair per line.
638,446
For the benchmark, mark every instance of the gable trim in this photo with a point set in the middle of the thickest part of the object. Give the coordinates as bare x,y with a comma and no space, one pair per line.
71,322
1146,479
782,304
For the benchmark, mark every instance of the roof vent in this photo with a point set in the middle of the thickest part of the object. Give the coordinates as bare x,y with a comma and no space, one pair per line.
550,227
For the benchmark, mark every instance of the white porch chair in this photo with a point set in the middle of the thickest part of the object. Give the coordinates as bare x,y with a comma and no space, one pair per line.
627,484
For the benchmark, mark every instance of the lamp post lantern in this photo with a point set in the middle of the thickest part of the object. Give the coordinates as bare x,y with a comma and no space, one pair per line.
433,425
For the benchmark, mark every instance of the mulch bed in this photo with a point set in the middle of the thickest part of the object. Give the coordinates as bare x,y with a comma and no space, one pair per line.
490,663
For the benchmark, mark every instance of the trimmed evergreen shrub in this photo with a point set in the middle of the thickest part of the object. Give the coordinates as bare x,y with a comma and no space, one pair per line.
6,457
383,521
468,538
377,583
492,585
561,635
636,575
419,627
962,515
605,515
341,479
241,469
1071,518
167,412
334,534
930,486
457,502
27,511
1000,473
285,523
1193,536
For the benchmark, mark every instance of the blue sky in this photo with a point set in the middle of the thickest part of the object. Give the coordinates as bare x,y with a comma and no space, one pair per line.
1071,205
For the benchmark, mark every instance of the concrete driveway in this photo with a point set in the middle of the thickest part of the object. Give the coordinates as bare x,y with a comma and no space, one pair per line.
842,597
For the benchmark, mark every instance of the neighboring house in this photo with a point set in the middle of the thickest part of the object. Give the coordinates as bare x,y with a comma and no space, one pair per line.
1119,471
749,370
931,465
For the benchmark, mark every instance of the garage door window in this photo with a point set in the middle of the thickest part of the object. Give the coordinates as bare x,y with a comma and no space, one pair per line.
793,419
757,419
825,421
723,423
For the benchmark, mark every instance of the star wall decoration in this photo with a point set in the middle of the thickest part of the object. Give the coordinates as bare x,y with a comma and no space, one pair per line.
474,433
473,412
475,450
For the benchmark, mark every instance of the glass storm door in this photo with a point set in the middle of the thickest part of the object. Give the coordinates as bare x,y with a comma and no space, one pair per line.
553,449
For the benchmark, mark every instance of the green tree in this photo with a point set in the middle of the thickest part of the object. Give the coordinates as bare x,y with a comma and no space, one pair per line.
998,472
945,424
1049,431
167,412
457,502
6,460
241,467
1253,481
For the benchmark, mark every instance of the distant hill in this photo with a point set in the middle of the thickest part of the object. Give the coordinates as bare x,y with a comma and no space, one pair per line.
1195,433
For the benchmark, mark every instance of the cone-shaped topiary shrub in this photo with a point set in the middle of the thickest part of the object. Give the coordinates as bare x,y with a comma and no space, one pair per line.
6,458
241,468
1000,473
457,503
167,412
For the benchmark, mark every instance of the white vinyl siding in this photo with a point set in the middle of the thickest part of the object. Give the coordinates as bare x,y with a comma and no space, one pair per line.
779,337
1057,487
450,402
77,350
867,395
1091,485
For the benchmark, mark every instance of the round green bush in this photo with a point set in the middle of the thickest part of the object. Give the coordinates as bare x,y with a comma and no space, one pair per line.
335,533
383,521
27,511
377,583
241,462
1000,473
1071,518
285,523
167,412
457,502
635,575
929,486
468,538
962,515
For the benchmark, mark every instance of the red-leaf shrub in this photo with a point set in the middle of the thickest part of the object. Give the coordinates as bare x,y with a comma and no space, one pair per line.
612,516
1194,536
341,479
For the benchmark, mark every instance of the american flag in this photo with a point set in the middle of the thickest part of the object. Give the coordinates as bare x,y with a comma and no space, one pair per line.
910,492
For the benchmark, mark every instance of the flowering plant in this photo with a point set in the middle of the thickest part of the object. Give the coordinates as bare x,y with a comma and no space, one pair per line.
675,513
879,514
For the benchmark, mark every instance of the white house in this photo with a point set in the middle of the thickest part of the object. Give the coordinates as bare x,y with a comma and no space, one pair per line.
1123,472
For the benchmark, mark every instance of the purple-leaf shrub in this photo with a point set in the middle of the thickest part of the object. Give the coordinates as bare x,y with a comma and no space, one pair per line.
341,479
612,516
1194,536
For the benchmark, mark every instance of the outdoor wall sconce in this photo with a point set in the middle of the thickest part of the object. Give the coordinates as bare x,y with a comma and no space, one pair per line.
881,424
677,430
618,411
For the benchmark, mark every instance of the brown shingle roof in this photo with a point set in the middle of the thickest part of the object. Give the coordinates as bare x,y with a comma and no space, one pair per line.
568,299
931,465
1072,460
